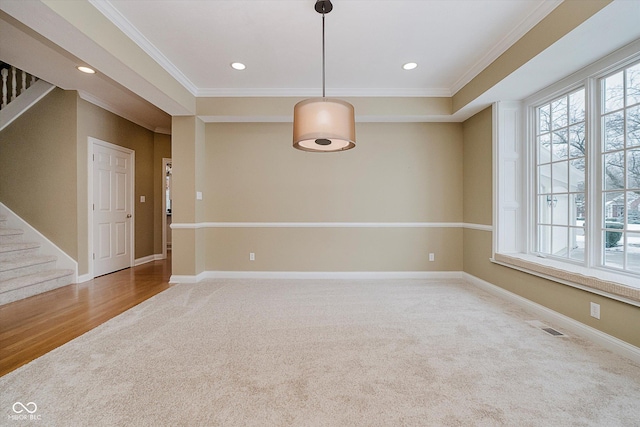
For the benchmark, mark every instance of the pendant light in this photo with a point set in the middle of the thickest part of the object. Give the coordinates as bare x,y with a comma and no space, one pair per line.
324,124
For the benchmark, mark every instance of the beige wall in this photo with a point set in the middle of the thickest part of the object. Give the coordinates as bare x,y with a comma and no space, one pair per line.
95,122
333,249
618,319
408,172
251,107
478,160
38,168
187,151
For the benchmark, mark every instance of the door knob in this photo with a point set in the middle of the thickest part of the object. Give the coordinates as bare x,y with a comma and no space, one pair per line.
128,215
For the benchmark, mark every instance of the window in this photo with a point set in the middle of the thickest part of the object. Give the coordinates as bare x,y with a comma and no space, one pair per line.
567,179
560,196
596,225
562,165
620,152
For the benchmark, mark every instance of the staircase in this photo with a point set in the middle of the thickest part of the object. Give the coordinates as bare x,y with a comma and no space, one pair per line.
14,83
24,272
19,90
27,268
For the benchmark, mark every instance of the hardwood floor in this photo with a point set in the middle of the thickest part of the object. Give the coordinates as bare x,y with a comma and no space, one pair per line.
34,326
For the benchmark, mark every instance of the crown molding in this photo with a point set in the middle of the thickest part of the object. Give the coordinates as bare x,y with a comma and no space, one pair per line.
393,92
315,92
112,14
501,47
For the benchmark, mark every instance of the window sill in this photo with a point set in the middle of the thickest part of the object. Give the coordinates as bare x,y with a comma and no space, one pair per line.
616,286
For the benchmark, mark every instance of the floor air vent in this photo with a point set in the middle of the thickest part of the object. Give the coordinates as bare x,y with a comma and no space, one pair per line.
540,325
553,332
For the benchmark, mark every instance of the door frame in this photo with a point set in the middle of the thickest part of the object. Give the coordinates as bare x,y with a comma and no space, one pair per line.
132,198
165,161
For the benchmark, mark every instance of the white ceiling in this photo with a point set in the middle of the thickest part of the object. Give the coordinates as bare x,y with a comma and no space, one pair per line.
280,41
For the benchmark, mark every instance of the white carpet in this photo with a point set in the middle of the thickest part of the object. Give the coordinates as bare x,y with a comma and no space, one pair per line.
325,353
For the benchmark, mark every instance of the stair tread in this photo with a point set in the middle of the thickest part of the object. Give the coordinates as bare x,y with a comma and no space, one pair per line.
8,247
10,232
24,272
33,279
25,262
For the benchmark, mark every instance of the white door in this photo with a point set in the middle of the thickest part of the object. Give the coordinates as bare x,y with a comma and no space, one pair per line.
112,213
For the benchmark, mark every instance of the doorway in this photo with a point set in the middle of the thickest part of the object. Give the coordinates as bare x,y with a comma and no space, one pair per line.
112,207
166,206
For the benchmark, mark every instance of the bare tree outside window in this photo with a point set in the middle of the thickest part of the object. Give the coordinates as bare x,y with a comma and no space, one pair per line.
561,152
620,124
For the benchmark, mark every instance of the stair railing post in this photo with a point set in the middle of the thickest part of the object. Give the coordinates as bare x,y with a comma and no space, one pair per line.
5,74
24,82
14,84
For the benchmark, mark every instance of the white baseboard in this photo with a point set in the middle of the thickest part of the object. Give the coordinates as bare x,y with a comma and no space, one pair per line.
179,278
148,258
434,275
333,275
84,278
605,340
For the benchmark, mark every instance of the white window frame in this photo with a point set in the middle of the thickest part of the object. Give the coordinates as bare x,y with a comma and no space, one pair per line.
532,123
635,61
514,183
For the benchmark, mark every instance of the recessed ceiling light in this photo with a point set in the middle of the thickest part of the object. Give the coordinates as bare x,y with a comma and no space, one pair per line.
86,69
409,66
238,66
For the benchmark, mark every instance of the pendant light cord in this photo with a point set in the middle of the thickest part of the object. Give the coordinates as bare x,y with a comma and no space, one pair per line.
323,90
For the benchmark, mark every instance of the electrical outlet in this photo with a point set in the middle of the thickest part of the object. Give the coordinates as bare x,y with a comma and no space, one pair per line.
252,256
432,257
595,310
